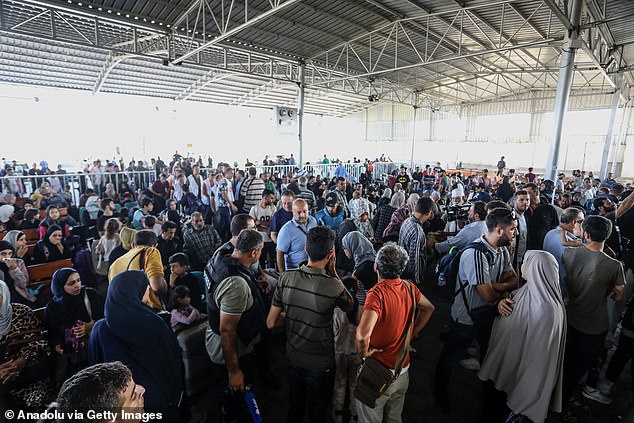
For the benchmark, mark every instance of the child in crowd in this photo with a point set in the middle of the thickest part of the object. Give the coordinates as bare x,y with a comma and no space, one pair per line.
182,310
31,219
180,276
347,361
108,242
150,222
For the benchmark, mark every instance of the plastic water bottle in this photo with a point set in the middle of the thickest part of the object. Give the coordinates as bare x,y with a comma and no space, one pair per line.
441,279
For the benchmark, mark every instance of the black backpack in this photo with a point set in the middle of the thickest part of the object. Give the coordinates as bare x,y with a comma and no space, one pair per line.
447,270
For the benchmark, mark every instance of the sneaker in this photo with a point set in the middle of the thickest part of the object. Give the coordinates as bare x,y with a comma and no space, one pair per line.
605,386
596,395
470,363
472,351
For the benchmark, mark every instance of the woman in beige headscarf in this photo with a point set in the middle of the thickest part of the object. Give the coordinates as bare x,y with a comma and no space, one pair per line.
525,355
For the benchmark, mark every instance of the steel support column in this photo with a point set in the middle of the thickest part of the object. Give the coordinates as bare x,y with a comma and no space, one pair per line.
570,46
411,160
300,111
620,144
603,173
432,124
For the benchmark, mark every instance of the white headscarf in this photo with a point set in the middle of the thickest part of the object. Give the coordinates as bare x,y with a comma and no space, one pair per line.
92,207
6,311
6,211
526,351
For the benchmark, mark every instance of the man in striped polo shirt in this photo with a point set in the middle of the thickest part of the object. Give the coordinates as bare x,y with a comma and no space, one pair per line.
251,190
308,296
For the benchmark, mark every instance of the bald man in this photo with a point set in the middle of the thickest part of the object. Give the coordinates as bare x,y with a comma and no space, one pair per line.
291,240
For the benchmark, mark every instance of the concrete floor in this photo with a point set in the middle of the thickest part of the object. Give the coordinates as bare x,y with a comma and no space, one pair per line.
465,389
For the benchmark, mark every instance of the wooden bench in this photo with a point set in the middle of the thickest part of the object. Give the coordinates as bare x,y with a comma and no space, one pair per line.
32,235
41,274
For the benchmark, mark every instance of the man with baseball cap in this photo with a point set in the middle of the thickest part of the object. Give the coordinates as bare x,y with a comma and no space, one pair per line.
332,214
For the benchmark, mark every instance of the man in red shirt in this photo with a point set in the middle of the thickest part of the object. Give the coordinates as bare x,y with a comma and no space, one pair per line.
385,317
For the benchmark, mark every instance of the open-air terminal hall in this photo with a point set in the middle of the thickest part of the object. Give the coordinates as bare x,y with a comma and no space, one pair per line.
346,103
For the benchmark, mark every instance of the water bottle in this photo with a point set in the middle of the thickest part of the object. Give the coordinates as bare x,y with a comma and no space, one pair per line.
441,279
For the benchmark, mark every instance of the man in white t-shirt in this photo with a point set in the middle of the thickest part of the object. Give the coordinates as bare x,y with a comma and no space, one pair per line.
262,214
223,204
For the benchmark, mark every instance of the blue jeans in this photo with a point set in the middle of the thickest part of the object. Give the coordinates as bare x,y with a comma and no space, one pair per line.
222,223
312,386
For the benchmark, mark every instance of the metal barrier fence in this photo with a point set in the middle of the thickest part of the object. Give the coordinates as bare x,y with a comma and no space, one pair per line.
324,170
77,183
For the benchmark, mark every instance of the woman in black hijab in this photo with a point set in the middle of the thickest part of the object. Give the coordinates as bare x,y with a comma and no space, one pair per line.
51,247
70,317
135,335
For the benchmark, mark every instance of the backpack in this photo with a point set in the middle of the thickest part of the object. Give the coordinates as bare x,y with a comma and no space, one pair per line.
82,261
447,270
131,213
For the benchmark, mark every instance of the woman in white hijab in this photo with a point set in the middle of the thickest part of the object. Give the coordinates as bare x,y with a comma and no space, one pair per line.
525,355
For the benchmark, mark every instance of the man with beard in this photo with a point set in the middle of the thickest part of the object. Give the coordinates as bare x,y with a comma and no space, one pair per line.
541,218
484,274
291,241
200,241
262,214
521,203
331,215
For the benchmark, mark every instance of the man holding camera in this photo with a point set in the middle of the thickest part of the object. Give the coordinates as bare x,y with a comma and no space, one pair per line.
473,231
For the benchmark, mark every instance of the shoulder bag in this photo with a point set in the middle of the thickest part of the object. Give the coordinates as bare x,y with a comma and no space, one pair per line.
374,378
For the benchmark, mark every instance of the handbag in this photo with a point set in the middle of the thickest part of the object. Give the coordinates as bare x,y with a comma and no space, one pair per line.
77,348
239,407
374,378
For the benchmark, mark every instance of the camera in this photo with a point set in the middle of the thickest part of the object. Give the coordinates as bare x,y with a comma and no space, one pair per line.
458,212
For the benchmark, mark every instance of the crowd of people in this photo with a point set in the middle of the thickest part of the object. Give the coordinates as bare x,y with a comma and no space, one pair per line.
536,275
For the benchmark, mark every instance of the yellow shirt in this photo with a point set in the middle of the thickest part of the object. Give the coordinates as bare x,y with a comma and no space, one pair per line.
152,267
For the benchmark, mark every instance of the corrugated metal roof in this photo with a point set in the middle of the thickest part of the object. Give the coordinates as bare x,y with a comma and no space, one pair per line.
356,51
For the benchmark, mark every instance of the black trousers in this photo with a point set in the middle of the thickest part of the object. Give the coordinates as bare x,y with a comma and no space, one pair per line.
310,393
581,349
623,354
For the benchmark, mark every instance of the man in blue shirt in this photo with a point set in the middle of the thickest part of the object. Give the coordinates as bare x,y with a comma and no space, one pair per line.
291,241
146,208
483,194
331,215
571,219
471,232
283,215
341,172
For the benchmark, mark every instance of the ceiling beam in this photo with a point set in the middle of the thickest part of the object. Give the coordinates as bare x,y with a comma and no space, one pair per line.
231,32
